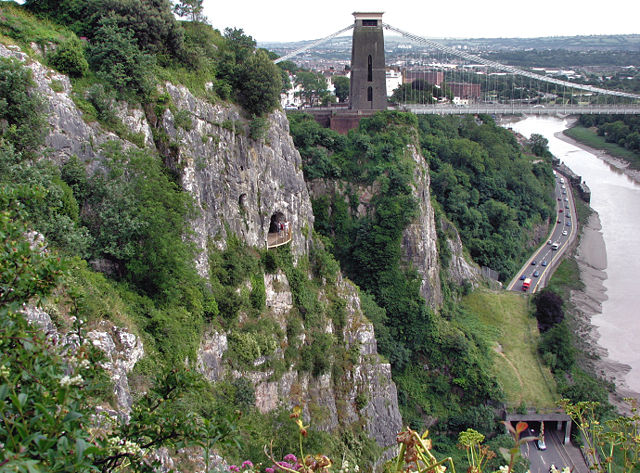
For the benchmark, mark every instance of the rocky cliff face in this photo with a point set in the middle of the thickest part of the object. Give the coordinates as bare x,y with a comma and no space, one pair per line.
238,183
364,393
459,270
122,350
418,239
242,186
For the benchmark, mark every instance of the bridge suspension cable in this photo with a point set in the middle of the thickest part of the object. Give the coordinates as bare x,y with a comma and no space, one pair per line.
311,45
506,68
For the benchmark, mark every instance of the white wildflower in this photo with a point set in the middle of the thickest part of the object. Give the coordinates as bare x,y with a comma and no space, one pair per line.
4,372
74,381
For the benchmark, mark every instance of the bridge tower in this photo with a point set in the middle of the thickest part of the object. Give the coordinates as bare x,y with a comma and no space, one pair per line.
368,74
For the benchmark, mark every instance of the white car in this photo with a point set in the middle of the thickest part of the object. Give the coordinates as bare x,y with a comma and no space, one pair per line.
564,232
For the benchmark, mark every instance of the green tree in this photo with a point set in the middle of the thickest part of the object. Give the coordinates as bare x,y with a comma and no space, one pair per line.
69,59
259,84
558,341
116,58
150,22
138,217
314,86
342,85
22,118
549,310
539,145
239,43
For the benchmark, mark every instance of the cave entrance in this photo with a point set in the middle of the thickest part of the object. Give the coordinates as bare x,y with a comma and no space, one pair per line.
279,231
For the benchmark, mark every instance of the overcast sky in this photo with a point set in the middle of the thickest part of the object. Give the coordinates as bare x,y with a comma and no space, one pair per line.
293,20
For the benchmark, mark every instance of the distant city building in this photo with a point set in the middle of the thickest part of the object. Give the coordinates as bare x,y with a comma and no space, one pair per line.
459,101
291,98
464,90
394,80
432,77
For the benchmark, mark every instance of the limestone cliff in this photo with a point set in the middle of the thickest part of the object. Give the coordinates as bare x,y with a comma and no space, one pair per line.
365,392
418,239
242,186
459,269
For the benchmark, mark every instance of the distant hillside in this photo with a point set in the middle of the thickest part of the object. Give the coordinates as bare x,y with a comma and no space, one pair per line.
546,51
577,43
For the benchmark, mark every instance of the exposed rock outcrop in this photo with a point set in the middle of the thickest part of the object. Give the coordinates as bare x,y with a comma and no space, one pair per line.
459,269
419,238
69,133
122,350
364,393
239,183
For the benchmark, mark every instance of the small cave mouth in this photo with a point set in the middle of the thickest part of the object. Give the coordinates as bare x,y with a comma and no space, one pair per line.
277,221
242,201
279,231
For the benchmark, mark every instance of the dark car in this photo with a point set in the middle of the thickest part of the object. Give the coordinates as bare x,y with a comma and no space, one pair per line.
567,223
522,278
534,262
536,273
544,263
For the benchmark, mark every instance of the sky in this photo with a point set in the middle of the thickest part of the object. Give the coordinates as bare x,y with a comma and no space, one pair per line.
289,20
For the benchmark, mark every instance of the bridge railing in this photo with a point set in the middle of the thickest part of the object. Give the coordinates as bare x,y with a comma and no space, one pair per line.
509,109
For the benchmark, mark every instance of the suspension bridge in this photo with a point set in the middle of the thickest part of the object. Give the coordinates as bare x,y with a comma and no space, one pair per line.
445,81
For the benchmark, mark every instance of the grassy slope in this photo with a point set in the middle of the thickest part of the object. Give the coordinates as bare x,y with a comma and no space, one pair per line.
515,334
590,138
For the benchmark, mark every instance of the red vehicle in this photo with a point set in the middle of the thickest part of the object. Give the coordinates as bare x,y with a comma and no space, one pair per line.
526,284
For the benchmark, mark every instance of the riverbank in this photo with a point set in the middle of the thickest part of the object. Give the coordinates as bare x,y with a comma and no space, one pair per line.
591,258
606,320
617,163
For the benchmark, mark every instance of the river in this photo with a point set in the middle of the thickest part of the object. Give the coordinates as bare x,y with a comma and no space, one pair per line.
616,198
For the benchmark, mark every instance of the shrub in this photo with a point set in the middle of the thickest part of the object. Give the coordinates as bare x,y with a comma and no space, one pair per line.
69,59
259,84
22,111
183,119
116,58
258,128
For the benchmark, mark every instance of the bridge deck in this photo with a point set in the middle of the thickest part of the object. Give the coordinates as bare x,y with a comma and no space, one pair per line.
505,109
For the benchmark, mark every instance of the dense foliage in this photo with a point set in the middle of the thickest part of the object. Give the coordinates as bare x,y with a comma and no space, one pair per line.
21,111
493,194
368,247
420,91
624,130
129,45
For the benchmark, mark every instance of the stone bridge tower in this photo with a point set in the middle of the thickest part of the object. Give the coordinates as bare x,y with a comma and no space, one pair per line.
368,74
